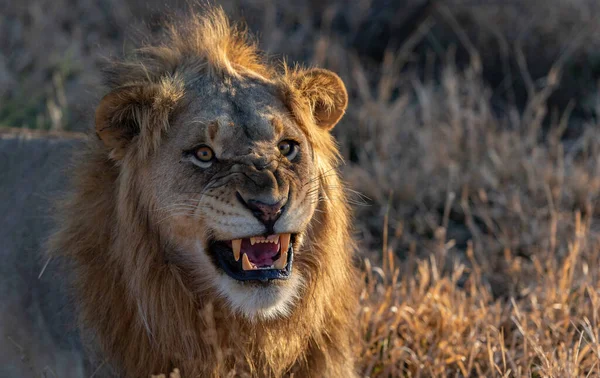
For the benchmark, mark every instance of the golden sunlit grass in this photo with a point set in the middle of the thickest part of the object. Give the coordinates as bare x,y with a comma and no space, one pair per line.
418,320
479,242
495,221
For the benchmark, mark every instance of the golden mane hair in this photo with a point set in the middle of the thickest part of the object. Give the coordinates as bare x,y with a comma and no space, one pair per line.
134,304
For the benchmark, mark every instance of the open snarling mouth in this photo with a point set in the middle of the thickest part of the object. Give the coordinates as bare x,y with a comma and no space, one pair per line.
256,258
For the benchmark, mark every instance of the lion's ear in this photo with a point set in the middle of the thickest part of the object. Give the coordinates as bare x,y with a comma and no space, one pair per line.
326,94
126,110
117,118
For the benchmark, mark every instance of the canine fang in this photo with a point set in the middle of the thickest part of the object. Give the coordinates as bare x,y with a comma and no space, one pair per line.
236,246
246,264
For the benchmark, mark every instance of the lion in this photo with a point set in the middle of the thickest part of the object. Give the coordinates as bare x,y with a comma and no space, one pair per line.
207,227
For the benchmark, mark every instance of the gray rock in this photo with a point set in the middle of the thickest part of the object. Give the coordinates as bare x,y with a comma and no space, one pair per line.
38,332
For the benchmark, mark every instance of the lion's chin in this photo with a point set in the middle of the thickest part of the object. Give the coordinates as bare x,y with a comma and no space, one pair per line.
257,301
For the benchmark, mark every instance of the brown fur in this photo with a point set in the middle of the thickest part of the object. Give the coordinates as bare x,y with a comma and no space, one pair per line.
149,312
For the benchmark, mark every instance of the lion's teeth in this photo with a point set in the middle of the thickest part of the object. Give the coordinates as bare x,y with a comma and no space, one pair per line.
284,239
282,261
246,264
261,239
236,246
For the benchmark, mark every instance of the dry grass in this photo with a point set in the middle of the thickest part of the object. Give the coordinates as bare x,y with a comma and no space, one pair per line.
476,143
497,224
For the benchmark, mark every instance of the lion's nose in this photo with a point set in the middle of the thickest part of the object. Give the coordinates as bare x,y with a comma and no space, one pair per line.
267,213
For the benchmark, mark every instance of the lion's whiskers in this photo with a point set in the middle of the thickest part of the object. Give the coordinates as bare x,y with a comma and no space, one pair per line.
328,173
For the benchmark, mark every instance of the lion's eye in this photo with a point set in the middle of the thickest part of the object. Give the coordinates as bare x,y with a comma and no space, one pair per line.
204,153
288,149
204,156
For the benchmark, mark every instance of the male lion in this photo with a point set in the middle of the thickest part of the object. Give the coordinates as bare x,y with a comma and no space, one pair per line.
207,227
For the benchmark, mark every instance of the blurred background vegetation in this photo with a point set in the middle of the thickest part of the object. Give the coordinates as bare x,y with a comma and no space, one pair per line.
51,50
471,147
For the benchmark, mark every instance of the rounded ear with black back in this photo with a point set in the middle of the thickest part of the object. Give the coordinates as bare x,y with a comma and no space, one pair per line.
326,95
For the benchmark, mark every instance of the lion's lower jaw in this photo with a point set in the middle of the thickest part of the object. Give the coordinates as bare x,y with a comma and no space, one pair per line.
261,302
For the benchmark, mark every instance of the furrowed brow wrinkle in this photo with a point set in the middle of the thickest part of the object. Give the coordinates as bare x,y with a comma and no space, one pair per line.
213,128
277,125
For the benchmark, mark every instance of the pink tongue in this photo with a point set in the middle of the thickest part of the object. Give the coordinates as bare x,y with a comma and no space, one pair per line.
260,254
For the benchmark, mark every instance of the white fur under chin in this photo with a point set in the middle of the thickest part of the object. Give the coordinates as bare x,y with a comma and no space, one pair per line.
261,302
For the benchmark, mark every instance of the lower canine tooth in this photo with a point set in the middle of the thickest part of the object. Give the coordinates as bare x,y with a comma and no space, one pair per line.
282,261
236,246
284,239
246,264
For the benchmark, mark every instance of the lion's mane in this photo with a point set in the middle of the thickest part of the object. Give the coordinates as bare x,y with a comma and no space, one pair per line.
133,303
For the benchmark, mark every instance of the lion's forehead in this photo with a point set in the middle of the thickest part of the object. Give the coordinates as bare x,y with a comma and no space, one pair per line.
234,114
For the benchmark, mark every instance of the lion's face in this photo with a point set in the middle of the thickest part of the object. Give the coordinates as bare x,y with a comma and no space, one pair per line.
232,183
